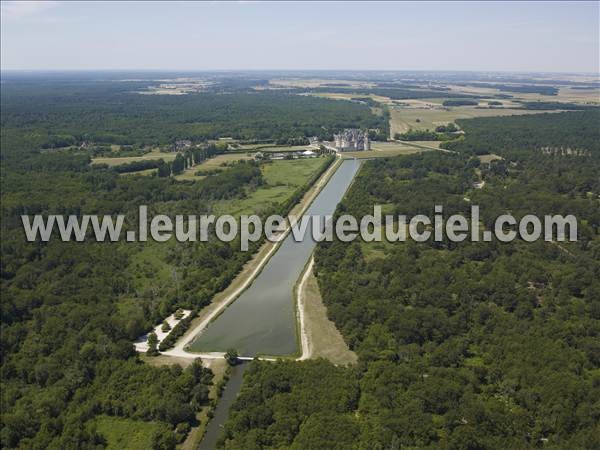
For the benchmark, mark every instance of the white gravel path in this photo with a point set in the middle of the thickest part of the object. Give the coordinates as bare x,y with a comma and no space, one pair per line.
179,349
304,341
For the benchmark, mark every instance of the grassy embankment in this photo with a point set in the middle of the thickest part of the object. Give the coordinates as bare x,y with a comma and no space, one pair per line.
324,339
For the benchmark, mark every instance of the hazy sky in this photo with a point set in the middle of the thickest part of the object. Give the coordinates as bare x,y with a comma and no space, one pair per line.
509,36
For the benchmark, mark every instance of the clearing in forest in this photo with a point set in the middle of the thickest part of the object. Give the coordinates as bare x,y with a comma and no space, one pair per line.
117,161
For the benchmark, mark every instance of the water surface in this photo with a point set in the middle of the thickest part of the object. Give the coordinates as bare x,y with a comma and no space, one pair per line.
230,392
262,320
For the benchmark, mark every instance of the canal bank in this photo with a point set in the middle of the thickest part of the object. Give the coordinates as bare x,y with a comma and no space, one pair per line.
262,320
249,272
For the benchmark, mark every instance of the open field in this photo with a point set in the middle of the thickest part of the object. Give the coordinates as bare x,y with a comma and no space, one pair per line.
385,149
155,154
430,112
316,82
565,94
322,337
126,434
266,148
292,172
146,172
162,360
486,159
429,144
285,148
282,178
349,96
402,119
398,123
395,146
254,147
189,175
220,160
215,162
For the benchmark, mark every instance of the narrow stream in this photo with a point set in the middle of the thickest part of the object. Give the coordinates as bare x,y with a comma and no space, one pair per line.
263,319
215,426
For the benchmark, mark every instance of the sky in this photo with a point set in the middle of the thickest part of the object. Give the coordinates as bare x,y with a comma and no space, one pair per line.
480,36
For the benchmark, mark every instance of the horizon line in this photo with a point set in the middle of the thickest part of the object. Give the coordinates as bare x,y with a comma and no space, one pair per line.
303,70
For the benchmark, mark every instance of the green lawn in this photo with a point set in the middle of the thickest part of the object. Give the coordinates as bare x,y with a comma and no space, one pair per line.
216,162
282,178
116,161
285,148
403,119
126,434
388,149
148,267
146,172
291,172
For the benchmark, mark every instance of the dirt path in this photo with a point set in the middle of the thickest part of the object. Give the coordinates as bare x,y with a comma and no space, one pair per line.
320,338
305,344
428,147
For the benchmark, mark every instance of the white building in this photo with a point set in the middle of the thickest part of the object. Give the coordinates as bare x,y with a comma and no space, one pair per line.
352,140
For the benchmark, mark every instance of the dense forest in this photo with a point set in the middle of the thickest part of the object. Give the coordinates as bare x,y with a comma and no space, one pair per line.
62,114
525,137
71,310
470,345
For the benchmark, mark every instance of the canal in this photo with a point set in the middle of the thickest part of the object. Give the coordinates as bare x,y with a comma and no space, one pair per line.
215,426
262,320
